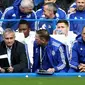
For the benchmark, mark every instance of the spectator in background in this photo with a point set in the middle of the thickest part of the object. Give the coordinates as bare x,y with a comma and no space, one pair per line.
77,61
76,26
24,27
49,11
60,14
64,4
15,52
49,54
21,9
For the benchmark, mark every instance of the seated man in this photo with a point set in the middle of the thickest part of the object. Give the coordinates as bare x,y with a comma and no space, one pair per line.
49,11
63,32
24,27
49,54
78,16
64,35
15,52
77,61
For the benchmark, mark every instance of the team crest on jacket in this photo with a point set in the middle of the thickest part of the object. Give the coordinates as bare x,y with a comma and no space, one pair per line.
81,48
14,15
28,16
53,52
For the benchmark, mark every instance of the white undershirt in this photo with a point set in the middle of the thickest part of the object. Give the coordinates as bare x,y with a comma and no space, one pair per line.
9,55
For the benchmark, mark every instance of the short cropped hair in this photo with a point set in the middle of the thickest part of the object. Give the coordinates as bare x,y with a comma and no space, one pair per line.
43,34
63,21
8,30
24,22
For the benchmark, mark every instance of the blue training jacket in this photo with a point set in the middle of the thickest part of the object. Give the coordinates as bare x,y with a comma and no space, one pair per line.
77,54
50,25
13,12
76,26
53,56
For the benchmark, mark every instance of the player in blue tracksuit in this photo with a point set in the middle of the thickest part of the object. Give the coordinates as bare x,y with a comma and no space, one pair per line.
76,26
58,13
77,62
19,10
49,54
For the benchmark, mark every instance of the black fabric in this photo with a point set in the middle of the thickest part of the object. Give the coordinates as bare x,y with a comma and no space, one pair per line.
18,55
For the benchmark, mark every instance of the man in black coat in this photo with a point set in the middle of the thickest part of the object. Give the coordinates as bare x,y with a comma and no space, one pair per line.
15,52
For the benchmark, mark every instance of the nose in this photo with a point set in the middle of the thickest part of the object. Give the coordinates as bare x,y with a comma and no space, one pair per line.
9,40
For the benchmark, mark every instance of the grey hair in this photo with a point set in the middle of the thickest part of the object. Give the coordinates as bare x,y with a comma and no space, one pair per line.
27,3
51,6
8,30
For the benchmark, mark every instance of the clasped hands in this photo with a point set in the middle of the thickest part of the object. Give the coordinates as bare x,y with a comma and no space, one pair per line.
81,67
9,69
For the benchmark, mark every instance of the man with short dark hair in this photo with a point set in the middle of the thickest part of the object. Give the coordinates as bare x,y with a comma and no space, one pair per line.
24,27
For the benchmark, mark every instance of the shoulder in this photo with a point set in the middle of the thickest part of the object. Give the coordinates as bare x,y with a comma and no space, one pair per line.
72,14
61,10
39,10
33,12
55,43
18,44
75,44
8,11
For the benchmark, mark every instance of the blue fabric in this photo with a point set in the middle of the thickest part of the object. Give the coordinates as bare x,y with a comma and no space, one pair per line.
13,12
73,5
49,25
76,26
51,57
78,53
